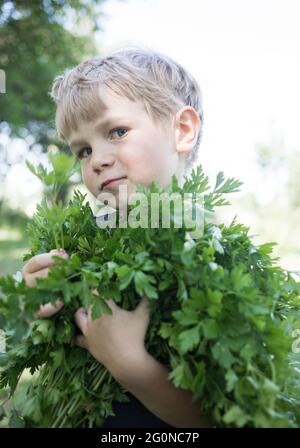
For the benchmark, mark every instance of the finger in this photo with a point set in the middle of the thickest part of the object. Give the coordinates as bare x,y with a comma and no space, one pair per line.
30,279
41,261
112,304
49,309
54,251
81,319
81,342
144,305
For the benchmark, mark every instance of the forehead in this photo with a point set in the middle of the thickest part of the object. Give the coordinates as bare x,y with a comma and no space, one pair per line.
114,107
117,104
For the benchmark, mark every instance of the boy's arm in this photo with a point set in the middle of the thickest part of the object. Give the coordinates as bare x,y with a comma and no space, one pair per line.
148,381
117,342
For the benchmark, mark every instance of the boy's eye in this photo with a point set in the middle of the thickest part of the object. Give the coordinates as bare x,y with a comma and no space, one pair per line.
118,129
82,153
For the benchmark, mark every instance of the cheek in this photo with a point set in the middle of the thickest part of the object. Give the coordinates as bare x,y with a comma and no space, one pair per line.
87,180
142,163
84,175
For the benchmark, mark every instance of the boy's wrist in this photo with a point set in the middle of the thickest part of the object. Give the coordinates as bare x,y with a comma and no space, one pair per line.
132,367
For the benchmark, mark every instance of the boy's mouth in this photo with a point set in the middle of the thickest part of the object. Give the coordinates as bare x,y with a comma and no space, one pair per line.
109,181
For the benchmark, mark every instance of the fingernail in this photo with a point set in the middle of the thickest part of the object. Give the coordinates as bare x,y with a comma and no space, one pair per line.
59,252
62,253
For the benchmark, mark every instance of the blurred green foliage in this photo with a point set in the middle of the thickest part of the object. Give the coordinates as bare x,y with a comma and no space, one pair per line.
12,217
12,249
36,44
13,238
275,216
39,39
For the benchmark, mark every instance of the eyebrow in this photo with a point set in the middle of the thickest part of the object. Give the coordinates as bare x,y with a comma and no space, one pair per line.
101,124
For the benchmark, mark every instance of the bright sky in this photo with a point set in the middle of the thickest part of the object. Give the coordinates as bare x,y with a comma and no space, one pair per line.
245,55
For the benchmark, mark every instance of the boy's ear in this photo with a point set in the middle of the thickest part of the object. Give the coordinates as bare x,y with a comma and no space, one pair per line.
181,147
187,128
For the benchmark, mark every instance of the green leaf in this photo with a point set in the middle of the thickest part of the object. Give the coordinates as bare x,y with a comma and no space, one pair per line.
222,354
236,416
15,420
219,180
143,283
58,357
2,413
210,328
188,339
231,379
99,308
126,275
248,351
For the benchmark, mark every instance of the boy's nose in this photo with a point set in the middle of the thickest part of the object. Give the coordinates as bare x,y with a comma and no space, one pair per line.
102,161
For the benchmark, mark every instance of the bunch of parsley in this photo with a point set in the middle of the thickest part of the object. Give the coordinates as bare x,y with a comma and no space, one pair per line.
222,313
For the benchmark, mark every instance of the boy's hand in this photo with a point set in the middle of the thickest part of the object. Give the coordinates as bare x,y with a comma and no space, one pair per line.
116,340
38,266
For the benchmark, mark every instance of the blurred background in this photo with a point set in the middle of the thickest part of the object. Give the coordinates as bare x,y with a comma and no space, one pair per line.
245,56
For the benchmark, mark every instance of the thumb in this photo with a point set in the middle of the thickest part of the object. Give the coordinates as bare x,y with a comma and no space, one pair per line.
81,342
81,319
144,305
59,253
49,309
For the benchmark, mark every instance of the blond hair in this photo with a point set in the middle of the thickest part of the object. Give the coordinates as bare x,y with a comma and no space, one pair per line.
136,72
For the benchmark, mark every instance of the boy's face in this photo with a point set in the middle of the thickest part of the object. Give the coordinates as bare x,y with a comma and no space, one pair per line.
131,147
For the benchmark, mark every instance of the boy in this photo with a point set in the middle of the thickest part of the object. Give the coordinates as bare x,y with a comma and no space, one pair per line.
158,105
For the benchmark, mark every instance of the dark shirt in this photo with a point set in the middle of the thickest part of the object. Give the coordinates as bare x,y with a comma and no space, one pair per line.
133,415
